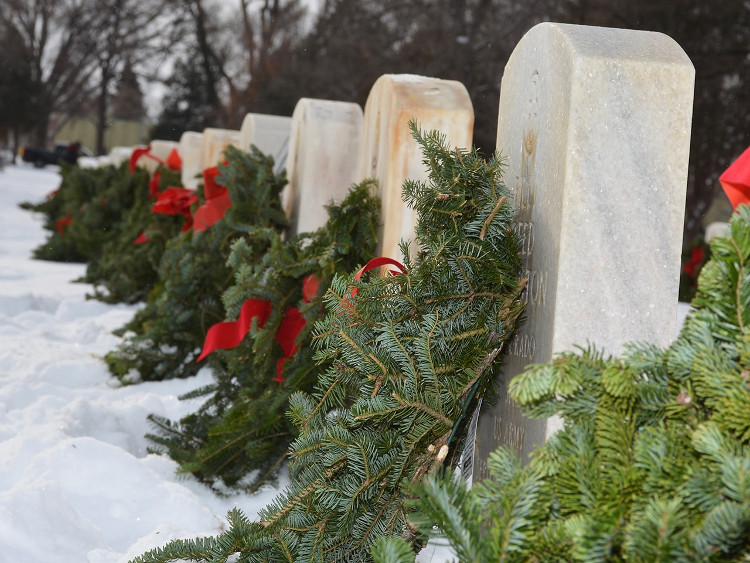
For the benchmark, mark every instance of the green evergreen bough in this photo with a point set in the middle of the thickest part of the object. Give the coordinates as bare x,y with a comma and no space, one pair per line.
654,461
240,435
163,340
93,202
125,272
401,365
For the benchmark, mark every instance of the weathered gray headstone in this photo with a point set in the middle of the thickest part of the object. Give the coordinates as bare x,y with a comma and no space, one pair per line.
595,123
391,155
322,162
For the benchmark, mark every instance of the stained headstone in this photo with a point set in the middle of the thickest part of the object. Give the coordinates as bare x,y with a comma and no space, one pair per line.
214,142
192,158
390,154
269,133
324,149
595,124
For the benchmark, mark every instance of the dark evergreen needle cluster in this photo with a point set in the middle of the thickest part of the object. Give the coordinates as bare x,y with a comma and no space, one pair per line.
87,211
126,271
653,463
240,436
397,365
164,339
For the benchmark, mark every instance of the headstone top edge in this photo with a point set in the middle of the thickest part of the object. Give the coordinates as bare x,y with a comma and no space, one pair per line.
315,103
400,81
163,143
324,101
251,116
219,130
611,42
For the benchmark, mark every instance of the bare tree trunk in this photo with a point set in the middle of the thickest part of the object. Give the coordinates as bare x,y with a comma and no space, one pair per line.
103,105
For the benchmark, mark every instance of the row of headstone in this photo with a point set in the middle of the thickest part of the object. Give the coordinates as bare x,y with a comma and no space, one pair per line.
594,124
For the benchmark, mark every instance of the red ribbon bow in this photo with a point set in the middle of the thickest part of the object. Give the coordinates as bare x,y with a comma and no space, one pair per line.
62,224
347,301
696,259
153,185
174,162
229,334
376,263
217,201
176,201
142,238
736,180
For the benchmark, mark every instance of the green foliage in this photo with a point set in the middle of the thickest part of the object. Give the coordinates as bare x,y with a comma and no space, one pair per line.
653,463
240,435
95,200
164,339
399,365
125,272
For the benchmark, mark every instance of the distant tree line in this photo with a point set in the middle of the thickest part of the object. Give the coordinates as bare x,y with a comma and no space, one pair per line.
218,60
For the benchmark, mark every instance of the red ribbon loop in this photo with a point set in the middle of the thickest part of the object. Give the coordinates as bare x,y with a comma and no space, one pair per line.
736,180
138,153
153,185
176,201
142,238
62,224
230,333
289,329
376,263
217,201
174,162
310,287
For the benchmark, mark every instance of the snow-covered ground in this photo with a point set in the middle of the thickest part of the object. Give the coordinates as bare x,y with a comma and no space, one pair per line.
76,482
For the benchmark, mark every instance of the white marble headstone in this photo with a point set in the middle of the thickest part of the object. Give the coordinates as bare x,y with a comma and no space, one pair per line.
190,146
269,133
118,155
324,149
595,124
214,142
160,149
390,154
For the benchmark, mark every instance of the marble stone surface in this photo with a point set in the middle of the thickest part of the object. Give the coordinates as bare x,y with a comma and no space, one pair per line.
324,147
190,146
390,154
595,123
118,155
160,149
270,133
214,142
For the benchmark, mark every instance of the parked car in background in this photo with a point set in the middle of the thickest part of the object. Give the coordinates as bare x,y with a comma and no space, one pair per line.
67,152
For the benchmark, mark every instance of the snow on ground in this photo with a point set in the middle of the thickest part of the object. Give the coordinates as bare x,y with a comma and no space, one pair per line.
76,481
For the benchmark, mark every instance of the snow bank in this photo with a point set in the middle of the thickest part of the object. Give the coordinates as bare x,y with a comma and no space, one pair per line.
76,481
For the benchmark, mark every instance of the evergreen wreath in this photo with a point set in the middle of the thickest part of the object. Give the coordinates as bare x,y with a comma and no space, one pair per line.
240,436
164,339
128,266
86,211
653,463
402,360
